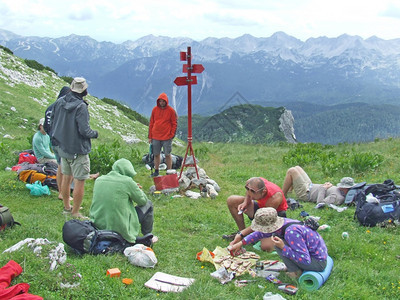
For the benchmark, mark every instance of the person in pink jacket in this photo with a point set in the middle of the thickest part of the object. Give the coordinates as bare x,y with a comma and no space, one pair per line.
162,128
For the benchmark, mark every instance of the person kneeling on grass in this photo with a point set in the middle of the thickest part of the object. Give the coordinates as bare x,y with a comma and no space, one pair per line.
300,247
113,206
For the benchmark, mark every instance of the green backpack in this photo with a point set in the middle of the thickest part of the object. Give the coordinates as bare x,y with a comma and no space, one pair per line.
6,219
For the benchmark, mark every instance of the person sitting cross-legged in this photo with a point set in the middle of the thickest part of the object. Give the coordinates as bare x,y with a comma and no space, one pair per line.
119,204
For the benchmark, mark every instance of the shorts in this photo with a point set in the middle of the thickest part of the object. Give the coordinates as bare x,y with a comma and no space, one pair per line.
281,213
79,167
301,187
166,145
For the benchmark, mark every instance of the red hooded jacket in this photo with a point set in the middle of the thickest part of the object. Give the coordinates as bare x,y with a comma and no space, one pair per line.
163,121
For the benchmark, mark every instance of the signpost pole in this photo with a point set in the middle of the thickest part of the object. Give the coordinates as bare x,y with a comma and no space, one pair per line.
189,80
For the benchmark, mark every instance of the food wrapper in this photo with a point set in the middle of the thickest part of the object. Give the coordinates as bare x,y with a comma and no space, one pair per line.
206,256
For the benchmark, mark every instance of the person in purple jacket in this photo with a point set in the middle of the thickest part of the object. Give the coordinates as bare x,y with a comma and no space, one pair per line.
300,247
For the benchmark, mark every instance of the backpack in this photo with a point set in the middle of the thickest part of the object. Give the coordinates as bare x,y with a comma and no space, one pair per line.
372,213
310,222
176,160
83,237
6,219
27,157
380,188
31,176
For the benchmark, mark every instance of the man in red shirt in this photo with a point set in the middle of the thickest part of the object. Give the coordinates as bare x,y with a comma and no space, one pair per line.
162,128
259,193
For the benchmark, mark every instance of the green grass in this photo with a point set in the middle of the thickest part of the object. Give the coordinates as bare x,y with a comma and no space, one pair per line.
365,265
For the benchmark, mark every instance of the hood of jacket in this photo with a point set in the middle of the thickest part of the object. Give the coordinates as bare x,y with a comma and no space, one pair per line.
70,101
163,96
124,167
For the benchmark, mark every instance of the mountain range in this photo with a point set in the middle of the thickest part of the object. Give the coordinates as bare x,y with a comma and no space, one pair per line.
311,78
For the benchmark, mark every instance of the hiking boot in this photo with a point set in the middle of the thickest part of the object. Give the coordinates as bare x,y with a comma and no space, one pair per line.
155,174
229,237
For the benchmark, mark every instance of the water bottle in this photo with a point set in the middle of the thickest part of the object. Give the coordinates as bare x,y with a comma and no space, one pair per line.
324,227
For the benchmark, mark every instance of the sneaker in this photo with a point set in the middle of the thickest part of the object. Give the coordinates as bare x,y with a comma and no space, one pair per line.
229,237
67,211
155,174
80,217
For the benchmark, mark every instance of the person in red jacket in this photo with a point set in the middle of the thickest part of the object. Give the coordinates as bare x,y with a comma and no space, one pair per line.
162,128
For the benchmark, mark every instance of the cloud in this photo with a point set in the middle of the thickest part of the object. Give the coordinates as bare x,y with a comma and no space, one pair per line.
229,20
392,11
81,15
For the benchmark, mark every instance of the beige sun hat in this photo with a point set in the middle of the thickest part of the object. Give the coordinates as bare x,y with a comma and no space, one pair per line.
41,121
266,220
346,182
79,84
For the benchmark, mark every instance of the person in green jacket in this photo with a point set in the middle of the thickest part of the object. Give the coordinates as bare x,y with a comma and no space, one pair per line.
115,196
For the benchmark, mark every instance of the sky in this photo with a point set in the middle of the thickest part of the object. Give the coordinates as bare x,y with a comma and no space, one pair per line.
121,20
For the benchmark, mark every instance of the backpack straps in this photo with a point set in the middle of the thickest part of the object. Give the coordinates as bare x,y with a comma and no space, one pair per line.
283,228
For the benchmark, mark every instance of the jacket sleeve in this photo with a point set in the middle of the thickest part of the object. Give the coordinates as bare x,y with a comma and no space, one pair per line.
41,147
333,197
151,124
174,123
82,117
138,195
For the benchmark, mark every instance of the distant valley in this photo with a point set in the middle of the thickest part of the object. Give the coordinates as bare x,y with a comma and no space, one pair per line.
343,89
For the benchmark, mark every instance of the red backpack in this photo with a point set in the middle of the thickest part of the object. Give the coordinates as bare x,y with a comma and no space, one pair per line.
25,156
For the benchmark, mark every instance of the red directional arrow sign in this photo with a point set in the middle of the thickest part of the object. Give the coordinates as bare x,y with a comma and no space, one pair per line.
184,80
196,68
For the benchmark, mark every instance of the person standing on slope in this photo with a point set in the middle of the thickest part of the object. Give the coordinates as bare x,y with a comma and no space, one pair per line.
162,129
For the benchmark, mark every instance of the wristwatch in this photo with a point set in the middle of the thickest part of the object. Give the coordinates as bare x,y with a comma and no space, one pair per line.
240,233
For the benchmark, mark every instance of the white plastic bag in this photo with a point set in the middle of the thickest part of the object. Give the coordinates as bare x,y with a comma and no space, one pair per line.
141,255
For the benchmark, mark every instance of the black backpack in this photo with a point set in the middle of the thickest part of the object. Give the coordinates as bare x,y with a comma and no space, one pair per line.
149,160
6,218
386,211
83,237
378,188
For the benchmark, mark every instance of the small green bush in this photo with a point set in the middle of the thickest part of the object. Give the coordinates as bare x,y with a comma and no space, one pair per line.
103,157
6,49
67,79
34,64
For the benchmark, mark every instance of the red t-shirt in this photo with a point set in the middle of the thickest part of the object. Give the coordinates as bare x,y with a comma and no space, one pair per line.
272,190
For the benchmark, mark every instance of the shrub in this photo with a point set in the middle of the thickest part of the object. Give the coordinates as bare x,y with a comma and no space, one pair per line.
103,157
303,154
67,79
6,49
34,64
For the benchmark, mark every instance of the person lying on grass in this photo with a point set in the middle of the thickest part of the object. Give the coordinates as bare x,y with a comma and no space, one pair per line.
297,180
300,247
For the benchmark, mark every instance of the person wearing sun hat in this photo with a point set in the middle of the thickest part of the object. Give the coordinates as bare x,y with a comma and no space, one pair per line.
296,179
300,247
72,134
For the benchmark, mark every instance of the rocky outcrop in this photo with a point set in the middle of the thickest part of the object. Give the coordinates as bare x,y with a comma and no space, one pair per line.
287,126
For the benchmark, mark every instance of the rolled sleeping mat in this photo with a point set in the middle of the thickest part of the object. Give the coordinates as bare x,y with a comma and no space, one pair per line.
312,281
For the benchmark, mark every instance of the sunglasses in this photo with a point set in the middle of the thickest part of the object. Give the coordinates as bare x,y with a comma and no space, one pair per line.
251,190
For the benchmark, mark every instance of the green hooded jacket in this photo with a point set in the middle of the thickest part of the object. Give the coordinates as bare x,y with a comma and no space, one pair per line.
114,198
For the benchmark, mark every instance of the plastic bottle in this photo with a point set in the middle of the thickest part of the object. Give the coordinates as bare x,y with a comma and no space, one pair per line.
345,235
324,227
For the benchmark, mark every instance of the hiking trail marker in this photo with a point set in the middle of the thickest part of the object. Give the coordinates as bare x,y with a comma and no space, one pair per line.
189,80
